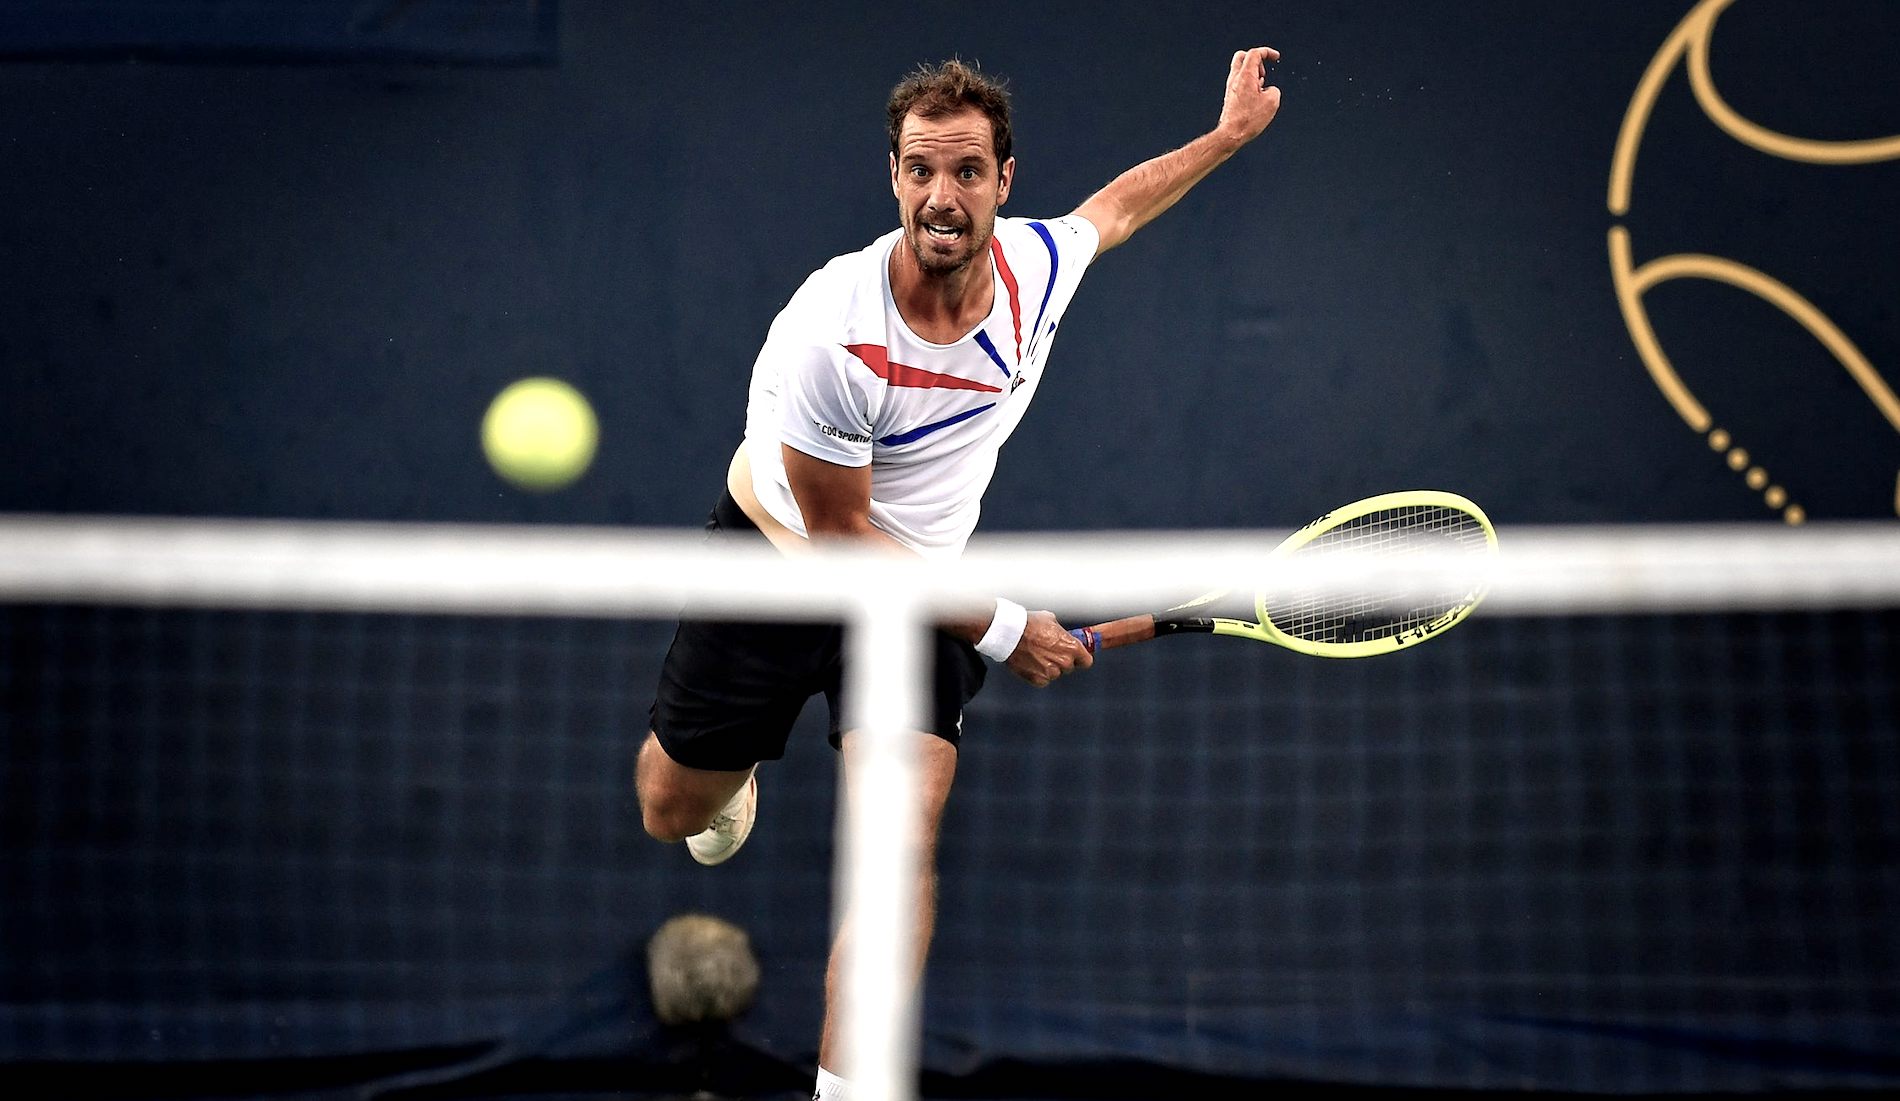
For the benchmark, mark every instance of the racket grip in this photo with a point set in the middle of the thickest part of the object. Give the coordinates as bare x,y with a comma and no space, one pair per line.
1090,638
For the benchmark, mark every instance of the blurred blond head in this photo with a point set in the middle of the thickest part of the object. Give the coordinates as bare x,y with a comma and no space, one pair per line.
701,969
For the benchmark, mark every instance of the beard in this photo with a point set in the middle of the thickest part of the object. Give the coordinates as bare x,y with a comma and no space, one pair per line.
936,260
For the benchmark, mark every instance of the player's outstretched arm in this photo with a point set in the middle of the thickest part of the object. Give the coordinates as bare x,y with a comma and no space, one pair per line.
1139,195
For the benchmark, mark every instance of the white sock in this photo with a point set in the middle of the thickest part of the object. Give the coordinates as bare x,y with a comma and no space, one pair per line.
831,1087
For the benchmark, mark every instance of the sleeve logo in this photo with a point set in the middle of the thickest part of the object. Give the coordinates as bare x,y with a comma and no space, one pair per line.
841,434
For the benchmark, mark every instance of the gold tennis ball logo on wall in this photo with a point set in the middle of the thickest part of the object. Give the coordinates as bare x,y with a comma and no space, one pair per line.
1689,45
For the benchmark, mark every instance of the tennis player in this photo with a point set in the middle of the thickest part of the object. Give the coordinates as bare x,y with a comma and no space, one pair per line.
878,403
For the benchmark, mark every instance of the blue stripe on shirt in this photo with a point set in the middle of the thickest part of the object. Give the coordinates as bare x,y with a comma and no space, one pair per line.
983,339
1055,262
919,433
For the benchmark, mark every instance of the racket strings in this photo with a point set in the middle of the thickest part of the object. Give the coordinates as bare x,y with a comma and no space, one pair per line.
1394,534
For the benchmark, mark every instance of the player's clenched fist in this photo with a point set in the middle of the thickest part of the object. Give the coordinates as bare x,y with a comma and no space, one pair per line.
1047,651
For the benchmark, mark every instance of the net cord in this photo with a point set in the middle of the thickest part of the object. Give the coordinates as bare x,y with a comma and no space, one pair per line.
598,571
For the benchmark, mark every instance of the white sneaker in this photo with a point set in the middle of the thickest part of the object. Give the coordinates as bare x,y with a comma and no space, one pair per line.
716,843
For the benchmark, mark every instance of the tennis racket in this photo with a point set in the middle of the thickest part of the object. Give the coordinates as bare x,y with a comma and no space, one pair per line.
1338,623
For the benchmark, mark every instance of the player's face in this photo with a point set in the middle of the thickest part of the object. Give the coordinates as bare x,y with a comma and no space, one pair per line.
948,186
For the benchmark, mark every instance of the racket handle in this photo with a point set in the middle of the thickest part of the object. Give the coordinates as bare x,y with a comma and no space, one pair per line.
1115,633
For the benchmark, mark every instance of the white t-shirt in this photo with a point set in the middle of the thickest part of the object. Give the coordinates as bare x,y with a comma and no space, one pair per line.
842,378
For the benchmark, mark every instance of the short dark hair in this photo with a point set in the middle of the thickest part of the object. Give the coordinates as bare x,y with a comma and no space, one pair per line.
932,91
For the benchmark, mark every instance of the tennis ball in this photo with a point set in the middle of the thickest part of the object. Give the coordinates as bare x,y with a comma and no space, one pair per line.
539,434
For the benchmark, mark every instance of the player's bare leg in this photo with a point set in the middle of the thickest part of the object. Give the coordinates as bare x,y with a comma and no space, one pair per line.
937,767
677,802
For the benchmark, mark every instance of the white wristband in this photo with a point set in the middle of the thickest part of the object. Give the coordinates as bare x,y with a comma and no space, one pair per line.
1006,630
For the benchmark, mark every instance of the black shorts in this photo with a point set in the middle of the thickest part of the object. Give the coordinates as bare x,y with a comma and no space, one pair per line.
730,691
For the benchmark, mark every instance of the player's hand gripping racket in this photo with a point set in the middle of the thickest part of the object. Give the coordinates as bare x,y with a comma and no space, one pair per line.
1348,623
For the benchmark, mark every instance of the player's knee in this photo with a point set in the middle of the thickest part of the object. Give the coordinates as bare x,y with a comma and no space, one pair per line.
665,815
670,819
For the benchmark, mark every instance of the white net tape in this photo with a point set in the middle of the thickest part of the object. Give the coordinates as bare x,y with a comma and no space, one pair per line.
617,572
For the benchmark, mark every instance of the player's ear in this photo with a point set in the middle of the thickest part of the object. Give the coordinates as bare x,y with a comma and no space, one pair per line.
894,192
1007,174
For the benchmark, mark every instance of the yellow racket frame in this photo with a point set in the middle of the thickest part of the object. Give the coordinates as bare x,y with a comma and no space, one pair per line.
1265,631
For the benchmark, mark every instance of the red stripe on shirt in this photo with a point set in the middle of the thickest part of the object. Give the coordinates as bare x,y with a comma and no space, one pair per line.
877,358
1015,303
